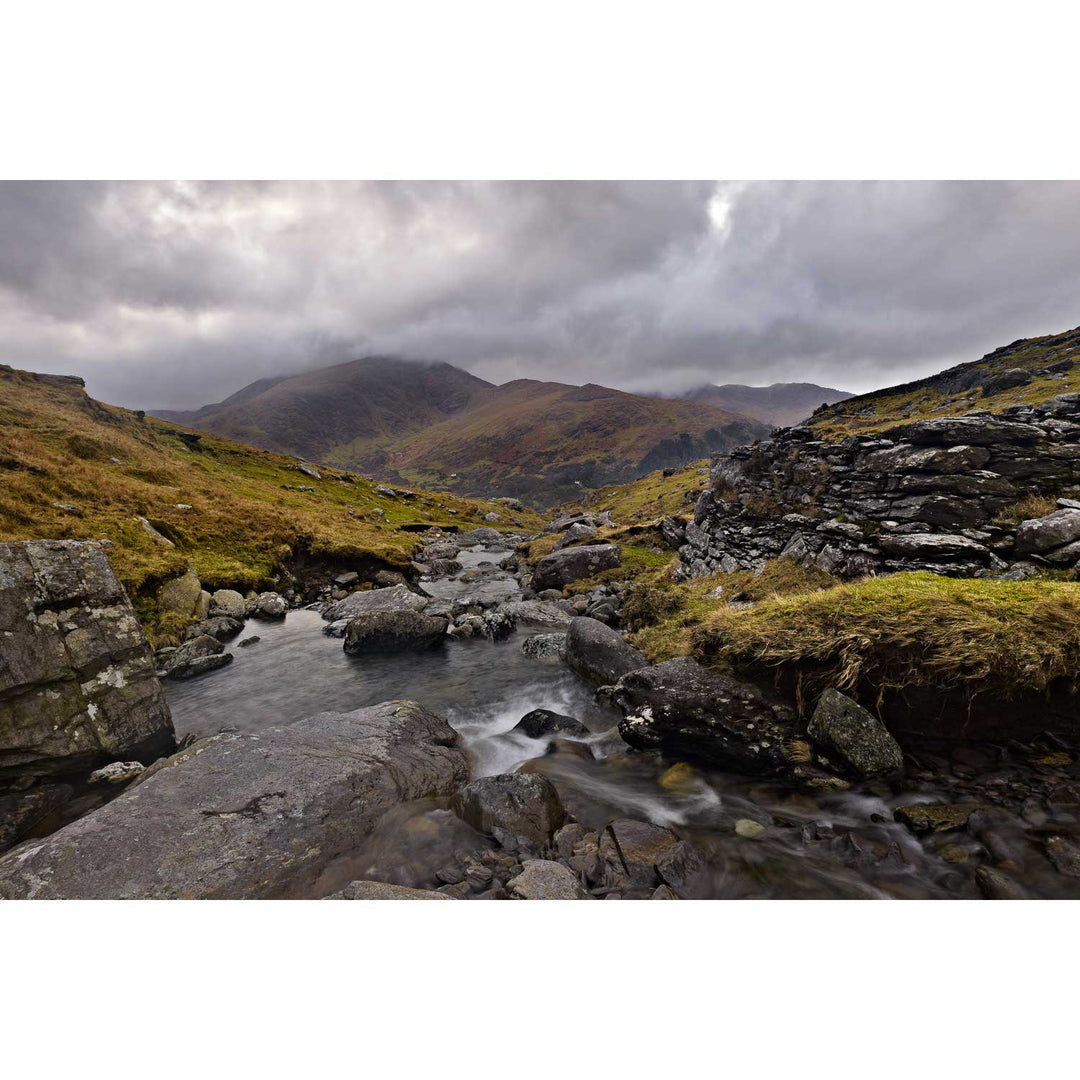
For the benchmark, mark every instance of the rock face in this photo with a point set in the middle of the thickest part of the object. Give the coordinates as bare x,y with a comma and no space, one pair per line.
598,653
396,598
845,728
927,495
393,631
512,807
78,686
572,564
691,711
248,816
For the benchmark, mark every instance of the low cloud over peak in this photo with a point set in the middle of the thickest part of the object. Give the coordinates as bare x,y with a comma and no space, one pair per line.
175,294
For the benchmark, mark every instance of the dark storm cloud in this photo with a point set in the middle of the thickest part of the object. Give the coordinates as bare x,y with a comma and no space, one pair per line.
177,294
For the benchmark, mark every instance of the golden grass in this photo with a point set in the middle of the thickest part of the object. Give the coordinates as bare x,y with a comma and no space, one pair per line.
651,497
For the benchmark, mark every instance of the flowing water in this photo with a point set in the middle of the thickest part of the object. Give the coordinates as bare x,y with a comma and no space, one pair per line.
761,838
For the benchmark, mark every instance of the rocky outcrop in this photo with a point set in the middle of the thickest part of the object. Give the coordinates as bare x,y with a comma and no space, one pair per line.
687,710
78,686
573,564
927,495
598,653
247,816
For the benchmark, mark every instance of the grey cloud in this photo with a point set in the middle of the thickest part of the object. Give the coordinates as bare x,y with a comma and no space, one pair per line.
174,294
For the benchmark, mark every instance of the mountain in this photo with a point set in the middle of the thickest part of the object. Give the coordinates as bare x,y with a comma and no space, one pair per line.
436,424
1028,370
781,405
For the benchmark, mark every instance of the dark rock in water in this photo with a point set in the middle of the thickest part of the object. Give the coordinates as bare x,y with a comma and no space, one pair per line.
691,711
684,870
21,811
396,598
543,880
196,657
223,628
393,631
78,684
381,890
630,851
572,564
543,722
845,728
248,641
544,647
598,653
511,807
934,817
246,816
442,567
996,885
1064,854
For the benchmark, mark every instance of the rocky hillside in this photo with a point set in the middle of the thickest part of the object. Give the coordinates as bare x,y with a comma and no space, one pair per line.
435,425
1027,372
168,499
779,405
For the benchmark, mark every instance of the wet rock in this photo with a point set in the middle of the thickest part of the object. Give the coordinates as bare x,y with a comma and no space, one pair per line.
269,605
630,851
543,880
689,711
223,628
247,816
845,728
535,613
541,723
511,807
117,772
544,647
684,870
196,657
392,631
935,817
387,579
573,564
395,598
749,829
78,685
598,653
248,641
568,837
1064,854
336,628
227,602
482,535
381,890
996,885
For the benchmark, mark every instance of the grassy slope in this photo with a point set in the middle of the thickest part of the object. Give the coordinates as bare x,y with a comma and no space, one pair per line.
650,497
243,526
943,394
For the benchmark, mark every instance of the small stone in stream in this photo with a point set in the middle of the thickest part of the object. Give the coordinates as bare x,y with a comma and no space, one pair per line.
383,890
510,807
196,657
934,817
450,874
336,628
995,885
393,631
544,647
630,851
387,579
683,868
681,778
954,853
543,880
542,722
573,564
497,625
117,772
749,829
248,641
1064,854
478,876
844,727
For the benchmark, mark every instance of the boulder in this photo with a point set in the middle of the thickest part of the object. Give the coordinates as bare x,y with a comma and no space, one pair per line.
535,613
196,657
690,711
247,816
395,598
933,546
843,727
543,880
598,653
381,890
544,647
181,595
227,602
572,564
1037,535
511,807
223,627
578,531
269,605
78,683
540,723
639,856
393,631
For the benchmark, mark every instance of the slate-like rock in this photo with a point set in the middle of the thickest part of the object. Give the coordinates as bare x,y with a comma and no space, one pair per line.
395,598
573,564
845,728
247,816
598,653
393,631
196,657
1037,535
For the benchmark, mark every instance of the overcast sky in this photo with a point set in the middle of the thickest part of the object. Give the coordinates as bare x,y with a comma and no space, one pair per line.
177,294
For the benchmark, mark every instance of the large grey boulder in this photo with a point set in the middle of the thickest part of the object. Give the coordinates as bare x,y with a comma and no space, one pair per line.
536,613
598,653
248,816
182,595
578,531
1054,530
845,728
78,685
227,602
269,605
393,631
396,598
196,657
572,564
511,807
691,711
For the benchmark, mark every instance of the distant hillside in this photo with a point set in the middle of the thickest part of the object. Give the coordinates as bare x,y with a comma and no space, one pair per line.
1028,370
781,405
435,424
